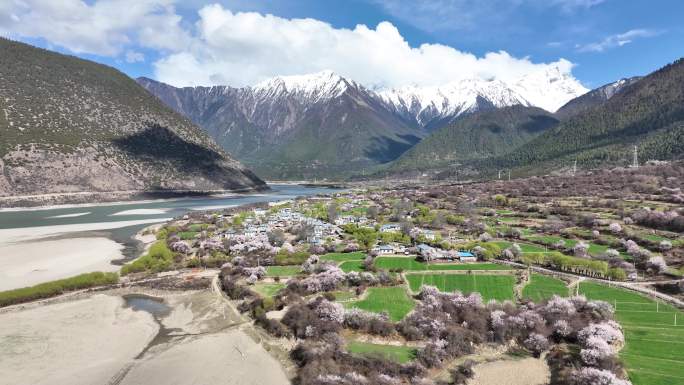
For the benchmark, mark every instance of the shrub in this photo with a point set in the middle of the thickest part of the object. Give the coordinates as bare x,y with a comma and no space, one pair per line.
51,289
158,258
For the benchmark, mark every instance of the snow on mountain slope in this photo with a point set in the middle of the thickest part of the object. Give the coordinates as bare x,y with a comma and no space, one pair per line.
313,88
549,89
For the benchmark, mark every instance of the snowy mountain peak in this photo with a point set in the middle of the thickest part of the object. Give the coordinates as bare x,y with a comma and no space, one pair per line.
313,87
549,89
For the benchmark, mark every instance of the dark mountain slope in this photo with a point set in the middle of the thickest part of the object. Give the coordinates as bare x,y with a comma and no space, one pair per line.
318,125
649,114
71,125
480,135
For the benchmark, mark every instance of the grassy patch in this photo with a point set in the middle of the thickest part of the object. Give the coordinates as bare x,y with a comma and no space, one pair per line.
349,266
343,295
525,247
399,354
267,289
187,235
282,271
498,287
654,346
410,264
341,257
53,288
393,300
158,258
542,287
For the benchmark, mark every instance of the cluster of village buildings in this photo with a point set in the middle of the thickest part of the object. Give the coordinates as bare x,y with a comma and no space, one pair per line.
283,217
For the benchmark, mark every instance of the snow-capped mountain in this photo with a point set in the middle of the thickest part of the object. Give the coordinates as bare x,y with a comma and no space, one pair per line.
312,88
435,106
323,122
296,126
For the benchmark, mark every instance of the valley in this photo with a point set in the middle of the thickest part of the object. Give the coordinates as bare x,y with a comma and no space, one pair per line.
341,193
391,281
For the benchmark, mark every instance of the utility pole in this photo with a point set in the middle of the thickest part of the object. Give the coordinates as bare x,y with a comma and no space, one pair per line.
500,174
636,158
574,168
509,175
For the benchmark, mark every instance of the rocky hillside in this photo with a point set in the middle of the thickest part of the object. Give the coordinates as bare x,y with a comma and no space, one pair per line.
71,125
479,135
323,125
299,127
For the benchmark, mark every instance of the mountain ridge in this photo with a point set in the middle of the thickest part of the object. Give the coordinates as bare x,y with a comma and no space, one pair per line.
72,125
298,126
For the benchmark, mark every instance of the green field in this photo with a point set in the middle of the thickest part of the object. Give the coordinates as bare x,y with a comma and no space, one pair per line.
187,235
349,266
542,287
282,271
654,348
400,354
498,287
410,264
343,295
525,247
341,257
267,289
393,300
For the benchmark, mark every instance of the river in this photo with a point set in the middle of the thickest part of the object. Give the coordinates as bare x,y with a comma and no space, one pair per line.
42,244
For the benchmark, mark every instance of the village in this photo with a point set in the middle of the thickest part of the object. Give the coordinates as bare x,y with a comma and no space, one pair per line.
367,265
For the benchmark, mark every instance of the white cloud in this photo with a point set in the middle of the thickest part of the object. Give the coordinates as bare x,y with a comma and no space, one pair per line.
244,48
102,27
134,57
617,40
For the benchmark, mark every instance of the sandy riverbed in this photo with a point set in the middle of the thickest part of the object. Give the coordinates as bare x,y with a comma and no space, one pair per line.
98,340
80,342
29,263
31,255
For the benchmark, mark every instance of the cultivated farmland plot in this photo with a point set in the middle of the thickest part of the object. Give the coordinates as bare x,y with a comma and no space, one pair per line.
498,287
392,300
282,271
410,264
400,354
542,287
654,344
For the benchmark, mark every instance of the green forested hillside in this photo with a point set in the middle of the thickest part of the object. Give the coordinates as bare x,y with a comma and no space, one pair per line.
648,114
480,135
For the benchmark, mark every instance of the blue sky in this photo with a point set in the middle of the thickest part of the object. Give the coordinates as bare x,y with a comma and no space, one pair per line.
195,42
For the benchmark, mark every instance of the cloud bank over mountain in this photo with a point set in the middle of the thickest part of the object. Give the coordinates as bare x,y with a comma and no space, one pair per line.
223,47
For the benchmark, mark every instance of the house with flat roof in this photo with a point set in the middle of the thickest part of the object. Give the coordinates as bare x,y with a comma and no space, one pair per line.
390,228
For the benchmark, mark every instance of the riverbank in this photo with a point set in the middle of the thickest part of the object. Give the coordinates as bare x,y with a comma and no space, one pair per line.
85,198
104,339
31,255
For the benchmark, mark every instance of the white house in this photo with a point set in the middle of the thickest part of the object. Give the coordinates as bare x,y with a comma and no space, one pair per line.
383,249
390,228
429,253
465,256
345,220
429,235
251,231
